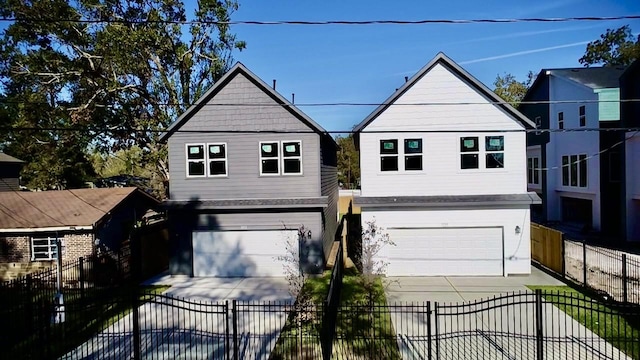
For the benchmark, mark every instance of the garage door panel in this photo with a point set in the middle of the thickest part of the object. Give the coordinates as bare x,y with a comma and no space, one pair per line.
444,251
239,253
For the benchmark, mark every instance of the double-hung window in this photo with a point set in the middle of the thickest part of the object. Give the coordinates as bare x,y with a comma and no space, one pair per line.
412,154
389,155
469,152
281,158
217,159
574,170
583,116
43,247
561,120
533,170
196,159
291,158
494,147
269,158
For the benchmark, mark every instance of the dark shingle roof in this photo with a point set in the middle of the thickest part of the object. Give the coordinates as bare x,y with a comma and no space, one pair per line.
9,159
447,201
593,77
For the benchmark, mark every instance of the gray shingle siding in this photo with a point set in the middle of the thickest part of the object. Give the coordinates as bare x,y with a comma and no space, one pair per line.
329,188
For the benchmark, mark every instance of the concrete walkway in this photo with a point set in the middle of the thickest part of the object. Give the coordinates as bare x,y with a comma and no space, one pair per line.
497,327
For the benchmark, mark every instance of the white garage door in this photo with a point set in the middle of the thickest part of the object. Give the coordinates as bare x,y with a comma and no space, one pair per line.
239,253
444,251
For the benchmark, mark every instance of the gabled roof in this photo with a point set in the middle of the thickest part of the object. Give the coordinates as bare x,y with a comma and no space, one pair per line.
591,77
9,159
444,60
239,68
25,210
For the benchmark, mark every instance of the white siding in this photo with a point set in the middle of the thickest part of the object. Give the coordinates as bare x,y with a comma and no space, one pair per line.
517,250
572,143
633,187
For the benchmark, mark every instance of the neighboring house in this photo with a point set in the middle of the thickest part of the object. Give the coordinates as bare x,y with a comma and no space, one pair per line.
240,193
630,118
578,185
84,219
447,180
10,172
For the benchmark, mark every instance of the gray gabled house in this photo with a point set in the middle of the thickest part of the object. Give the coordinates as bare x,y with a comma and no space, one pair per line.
248,170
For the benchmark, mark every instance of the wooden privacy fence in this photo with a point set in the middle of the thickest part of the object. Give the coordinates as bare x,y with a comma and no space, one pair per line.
547,247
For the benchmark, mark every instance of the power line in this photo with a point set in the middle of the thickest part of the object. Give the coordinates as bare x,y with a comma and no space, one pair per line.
322,22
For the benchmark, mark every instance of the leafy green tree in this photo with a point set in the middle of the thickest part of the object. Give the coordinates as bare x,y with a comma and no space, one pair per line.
616,47
123,74
348,162
512,90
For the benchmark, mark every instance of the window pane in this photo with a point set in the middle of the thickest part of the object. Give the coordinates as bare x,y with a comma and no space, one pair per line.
269,149
292,166
582,110
389,163
536,171
388,146
195,152
469,161
217,168
291,149
495,160
494,143
413,162
217,151
561,120
196,168
574,170
583,170
565,170
469,144
270,166
413,146
529,170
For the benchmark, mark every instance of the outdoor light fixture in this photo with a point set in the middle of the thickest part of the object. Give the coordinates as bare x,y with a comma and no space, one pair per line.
309,234
517,229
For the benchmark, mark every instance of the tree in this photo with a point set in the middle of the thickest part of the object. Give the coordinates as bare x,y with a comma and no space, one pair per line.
616,47
512,90
122,74
348,162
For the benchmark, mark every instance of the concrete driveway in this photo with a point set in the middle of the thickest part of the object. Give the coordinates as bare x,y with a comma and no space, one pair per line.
195,321
496,328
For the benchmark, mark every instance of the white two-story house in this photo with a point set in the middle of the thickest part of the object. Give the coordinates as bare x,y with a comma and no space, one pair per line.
443,172
577,170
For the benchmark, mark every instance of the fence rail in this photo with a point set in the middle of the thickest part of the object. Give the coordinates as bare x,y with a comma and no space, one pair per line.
613,274
525,325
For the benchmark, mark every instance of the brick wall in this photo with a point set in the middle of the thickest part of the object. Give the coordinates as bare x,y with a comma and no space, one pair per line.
77,245
14,249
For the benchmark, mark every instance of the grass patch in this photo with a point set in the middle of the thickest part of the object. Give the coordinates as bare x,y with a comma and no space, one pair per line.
84,317
363,327
615,324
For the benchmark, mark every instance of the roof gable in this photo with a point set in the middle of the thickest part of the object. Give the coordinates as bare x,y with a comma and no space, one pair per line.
462,74
4,158
236,70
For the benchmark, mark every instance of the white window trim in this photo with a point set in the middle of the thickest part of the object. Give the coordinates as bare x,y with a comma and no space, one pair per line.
260,158
402,155
479,152
282,158
405,155
486,152
482,155
187,161
399,143
50,248
208,161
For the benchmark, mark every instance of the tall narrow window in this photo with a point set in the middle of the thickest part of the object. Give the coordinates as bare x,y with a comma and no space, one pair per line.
494,147
530,171
291,157
217,159
583,170
560,120
574,170
389,155
413,154
536,170
565,170
269,158
195,160
469,152
583,116
538,122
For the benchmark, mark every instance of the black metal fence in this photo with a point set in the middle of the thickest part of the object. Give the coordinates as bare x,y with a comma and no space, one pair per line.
26,302
526,325
611,273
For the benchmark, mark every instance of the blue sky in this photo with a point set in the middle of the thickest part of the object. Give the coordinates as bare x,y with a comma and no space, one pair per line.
366,63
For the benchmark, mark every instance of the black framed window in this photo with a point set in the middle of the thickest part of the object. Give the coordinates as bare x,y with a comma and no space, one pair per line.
583,115
494,147
561,120
389,155
217,159
565,170
573,177
413,154
269,158
536,170
195,160
291,157
530,171
582,166
470,152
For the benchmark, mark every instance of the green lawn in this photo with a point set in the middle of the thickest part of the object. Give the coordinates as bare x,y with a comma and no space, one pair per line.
363,326
609,323
84,317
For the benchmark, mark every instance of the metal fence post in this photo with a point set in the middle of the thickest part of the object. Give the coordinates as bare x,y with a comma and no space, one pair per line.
234,315
81,276
624,277
429,330
437,336
227,342
539,329
136,325
584,264
29,302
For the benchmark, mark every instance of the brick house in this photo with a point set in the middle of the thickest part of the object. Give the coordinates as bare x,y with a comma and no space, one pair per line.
84,219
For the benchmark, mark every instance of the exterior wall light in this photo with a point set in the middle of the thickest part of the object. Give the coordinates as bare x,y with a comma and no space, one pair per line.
517,229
